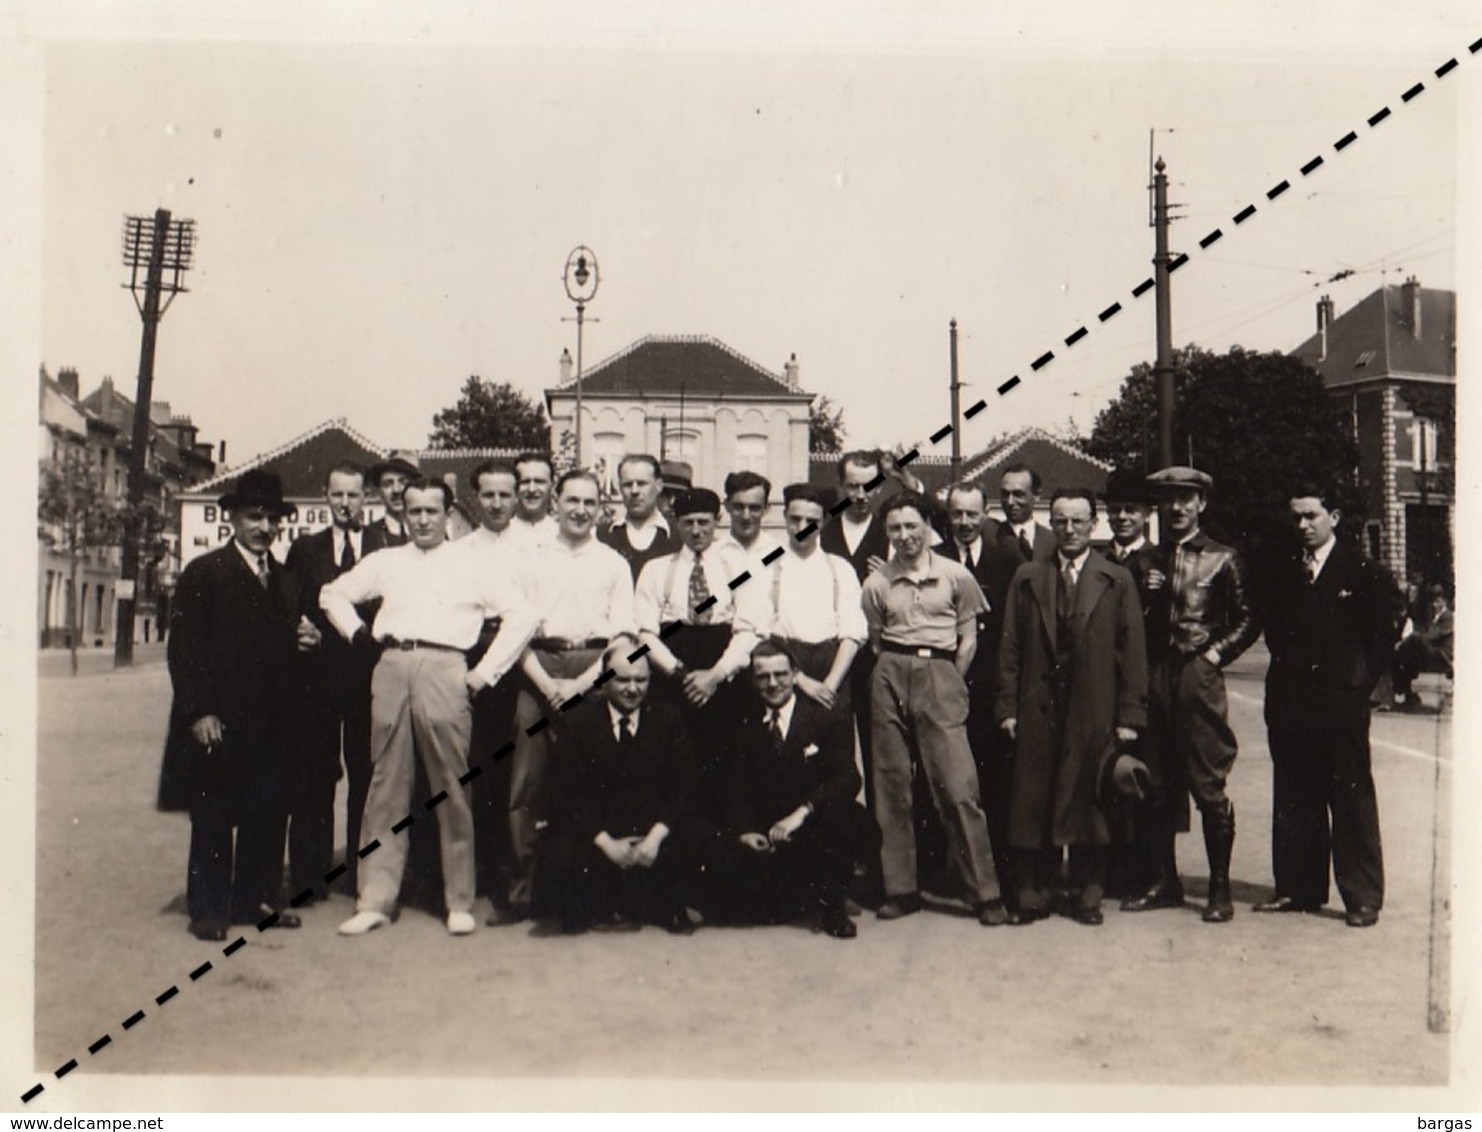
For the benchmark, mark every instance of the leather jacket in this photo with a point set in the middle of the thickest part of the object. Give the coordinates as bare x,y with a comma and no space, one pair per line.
1211,606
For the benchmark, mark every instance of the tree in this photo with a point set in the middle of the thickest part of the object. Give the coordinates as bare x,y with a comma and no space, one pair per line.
826,429
490,415
76,516
1258,423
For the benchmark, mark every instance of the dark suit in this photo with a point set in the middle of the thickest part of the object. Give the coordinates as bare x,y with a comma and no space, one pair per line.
595,787
377,536
232,654
1329,640
814,767
333,716
1070,677
1043,547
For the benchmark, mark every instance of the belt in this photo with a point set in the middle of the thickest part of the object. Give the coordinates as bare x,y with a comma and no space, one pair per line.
414,643
925,652
567,644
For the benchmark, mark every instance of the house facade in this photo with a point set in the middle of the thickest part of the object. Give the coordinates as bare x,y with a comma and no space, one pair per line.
688,398
1390,362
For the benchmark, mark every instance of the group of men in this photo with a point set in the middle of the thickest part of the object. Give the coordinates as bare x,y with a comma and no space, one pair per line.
668,716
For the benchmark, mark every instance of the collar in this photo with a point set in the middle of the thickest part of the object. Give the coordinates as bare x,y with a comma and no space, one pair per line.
1076,564
964,548
655,519
1131,547
393,524
783,714
849,520
250,557
1193,540
1320,555
1026,528
894,570
614,715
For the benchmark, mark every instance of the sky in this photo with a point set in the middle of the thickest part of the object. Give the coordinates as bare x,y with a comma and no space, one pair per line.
377,220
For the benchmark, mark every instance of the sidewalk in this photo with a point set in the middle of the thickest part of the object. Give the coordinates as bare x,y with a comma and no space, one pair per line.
57,663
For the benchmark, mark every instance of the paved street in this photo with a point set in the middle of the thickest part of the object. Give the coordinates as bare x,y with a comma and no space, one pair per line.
1157,999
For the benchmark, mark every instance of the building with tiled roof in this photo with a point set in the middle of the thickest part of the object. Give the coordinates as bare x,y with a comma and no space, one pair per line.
691,398
1390,361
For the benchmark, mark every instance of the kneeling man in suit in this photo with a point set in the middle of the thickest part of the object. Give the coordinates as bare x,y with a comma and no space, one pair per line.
621,844
797,830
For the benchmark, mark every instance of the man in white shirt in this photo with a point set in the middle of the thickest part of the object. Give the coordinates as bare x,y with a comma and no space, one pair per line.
815,601
644,533
434,600
746,499
700,632
534,474
582,592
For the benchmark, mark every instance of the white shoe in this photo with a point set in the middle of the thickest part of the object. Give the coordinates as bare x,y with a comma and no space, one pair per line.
460,923
363,922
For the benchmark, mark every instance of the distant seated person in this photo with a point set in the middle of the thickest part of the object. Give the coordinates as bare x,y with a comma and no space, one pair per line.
621,846
795,831
1423,649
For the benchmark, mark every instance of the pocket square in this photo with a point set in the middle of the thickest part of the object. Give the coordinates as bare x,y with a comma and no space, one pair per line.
810,750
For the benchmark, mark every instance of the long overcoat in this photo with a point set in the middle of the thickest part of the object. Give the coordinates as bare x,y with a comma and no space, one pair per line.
1059,764
232,654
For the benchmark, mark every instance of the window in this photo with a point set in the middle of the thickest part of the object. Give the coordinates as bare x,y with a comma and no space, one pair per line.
751,454
1424,434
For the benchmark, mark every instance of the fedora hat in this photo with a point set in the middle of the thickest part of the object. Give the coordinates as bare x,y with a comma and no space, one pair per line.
398,460
256,488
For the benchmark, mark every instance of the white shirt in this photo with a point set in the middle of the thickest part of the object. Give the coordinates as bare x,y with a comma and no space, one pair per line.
783,715
815,597
542,531
763,546
1025,529
616,718
744,609
1120,553
508,552
1075,565
439,595
580,591
641,536
974,548
1320,558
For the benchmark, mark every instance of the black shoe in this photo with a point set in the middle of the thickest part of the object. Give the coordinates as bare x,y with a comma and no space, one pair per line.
573,925
1091,917
1362,917
1018,917
836,922
1159,896
1284,904
264,912
508,915
677,922
992,914
212,931
898,907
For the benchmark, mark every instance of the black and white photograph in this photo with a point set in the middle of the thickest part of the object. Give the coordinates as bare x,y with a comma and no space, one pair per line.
656,557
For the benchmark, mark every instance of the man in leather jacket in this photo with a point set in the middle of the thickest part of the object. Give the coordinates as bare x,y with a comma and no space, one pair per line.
1211,622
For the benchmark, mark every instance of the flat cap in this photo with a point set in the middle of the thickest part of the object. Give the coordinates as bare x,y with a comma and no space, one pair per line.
1181,476
696,501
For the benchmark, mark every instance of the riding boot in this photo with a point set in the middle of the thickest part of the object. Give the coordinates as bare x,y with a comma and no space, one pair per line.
1219,839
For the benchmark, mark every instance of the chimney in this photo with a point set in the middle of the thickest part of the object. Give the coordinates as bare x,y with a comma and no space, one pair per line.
1324,320
67,379
790,371
565,366
1411,309
221,454
159,412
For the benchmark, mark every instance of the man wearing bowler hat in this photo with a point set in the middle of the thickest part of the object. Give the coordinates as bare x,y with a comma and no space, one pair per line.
234,633
1210,623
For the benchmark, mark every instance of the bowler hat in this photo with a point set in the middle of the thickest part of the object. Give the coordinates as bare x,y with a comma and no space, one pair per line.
398,460
1126,486
1181,476
256,488
696,501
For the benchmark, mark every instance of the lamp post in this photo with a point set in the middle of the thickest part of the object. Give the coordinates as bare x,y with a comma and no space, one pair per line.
163,249
581,279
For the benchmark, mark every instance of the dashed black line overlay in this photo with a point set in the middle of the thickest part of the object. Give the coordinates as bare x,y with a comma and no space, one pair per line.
807,532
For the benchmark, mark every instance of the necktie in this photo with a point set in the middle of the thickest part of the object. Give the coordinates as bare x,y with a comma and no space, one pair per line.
262,570
347,554
1309,564
625,730
1025,547
1067,587
699,593
967,557
774,727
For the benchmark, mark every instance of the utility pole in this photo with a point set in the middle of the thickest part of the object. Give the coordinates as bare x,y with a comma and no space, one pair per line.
157,246
1163,369
581,279
956,390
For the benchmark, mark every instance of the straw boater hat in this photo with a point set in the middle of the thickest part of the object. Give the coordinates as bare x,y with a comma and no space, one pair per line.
256,488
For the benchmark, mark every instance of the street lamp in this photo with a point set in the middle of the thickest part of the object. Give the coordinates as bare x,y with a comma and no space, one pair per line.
581,279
